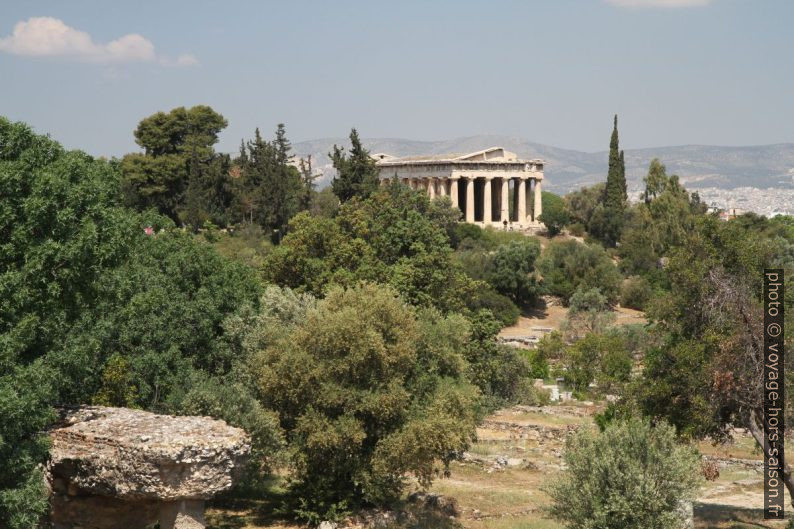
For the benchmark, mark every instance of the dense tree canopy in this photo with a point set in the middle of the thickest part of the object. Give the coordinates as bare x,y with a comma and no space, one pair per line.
357,175
366,394
61,226
270,189
567,266
393,237
555,215
179,174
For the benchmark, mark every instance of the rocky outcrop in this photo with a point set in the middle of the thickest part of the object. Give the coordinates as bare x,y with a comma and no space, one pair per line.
117,467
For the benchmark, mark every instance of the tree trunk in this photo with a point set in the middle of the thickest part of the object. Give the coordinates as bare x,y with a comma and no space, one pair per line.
758,434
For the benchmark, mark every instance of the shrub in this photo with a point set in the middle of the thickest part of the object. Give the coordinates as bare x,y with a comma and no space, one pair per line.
234,402
463,231
576,229
631,476
589,312
635,292
552,346
538,365
568,266
513,271
500,306
555,215
601,357
367,396
500,372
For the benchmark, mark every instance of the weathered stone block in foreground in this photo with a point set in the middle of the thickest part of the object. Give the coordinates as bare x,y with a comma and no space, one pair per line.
116,467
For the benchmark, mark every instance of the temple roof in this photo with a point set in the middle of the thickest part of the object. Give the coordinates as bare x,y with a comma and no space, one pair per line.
492,154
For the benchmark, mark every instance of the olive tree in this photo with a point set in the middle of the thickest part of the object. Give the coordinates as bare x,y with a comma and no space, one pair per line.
631,476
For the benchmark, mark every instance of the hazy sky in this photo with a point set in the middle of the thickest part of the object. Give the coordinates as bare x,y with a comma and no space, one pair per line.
717,72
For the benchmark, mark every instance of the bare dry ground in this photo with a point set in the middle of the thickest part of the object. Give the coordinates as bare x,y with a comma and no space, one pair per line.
552,316
499,484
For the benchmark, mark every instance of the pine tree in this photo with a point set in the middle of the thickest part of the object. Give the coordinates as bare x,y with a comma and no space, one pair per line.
271,185
357,174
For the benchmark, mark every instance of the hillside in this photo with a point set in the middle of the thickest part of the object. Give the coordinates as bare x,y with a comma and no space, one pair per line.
699,166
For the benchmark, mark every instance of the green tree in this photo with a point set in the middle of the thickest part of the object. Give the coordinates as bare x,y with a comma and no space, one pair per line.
162,311
361,413
656,226
567,266
615,191
582,203
555,215
513,271
499,371
706,377
271,187
606,223
357,175
61,227
391,237
179,174
631,476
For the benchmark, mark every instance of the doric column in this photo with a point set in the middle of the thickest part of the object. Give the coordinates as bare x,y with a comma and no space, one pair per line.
470,200
538,210
522,200
505,200
487,203
442,187
453,191
431,188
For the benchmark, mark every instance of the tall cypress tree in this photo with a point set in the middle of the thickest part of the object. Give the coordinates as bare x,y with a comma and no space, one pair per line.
615,190
606,223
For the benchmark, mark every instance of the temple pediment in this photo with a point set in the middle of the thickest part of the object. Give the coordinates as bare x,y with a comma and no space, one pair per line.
496,154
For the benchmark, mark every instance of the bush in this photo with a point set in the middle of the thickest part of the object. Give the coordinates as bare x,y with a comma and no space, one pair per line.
470,233
555,215
500,306
635,292
538,365
631,476
576,229
552,346
601,357
247,244
513,271
568,266
367,396
589,312
500,372
232,401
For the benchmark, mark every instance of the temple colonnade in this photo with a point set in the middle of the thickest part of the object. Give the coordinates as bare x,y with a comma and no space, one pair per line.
492,187
485,199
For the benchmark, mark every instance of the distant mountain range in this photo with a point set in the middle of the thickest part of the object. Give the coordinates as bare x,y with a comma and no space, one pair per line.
699,166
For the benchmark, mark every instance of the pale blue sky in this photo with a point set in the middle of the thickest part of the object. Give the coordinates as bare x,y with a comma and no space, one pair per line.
716,72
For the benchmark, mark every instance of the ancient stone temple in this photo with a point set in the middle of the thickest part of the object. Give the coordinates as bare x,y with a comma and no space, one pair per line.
491,187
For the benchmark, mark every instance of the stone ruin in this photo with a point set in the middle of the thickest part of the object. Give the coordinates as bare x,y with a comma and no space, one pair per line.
117,467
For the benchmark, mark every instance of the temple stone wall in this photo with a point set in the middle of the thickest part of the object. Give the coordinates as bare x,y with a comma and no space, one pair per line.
491,187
